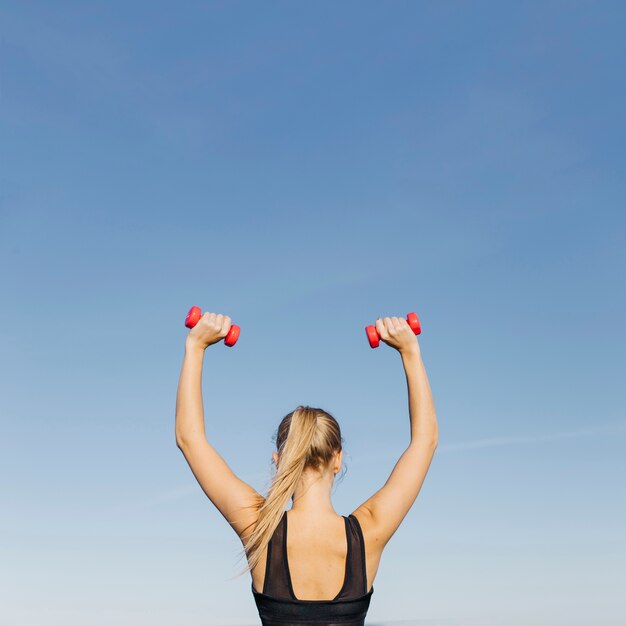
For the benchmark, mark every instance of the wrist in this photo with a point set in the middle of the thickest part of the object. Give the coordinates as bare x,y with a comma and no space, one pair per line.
410,353
192,346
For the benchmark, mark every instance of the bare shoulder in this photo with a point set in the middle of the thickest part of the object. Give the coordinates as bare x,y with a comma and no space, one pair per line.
382,513
237,501
371,535
373,541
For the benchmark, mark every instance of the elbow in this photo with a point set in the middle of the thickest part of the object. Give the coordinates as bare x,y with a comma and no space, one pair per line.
429,439
185,440
181,434
180,440
434,434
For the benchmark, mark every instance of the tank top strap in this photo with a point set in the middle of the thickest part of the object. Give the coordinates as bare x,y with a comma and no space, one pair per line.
276,583
356,576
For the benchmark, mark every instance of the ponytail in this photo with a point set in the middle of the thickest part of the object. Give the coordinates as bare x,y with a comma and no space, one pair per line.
307,437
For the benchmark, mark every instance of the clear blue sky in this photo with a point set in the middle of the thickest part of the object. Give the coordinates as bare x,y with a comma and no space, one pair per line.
305,167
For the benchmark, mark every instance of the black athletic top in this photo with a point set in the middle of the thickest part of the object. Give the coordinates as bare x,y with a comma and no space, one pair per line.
278,605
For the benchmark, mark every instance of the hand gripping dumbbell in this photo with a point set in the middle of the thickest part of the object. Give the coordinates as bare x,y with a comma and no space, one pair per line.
374,338
193,317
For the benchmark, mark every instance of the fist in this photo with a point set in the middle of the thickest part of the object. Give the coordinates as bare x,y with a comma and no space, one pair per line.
396,332
211,328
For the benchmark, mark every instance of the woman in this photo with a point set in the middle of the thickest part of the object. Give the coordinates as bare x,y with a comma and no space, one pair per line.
309,565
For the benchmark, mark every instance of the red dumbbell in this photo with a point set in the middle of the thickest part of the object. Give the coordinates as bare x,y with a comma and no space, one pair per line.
193,317
374,338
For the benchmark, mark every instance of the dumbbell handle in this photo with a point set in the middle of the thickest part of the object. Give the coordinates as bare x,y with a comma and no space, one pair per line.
374,338
193,317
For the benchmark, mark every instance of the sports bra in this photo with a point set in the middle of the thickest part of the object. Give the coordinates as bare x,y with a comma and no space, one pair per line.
278,605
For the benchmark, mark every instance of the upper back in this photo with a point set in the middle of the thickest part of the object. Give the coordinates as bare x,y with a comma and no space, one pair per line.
316,568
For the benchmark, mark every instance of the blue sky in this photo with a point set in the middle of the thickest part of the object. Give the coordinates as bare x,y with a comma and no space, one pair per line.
304,168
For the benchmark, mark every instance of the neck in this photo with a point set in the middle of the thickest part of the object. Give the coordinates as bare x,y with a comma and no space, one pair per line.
312,495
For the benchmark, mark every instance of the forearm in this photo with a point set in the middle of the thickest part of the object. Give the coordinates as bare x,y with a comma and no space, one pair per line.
421,406
189,409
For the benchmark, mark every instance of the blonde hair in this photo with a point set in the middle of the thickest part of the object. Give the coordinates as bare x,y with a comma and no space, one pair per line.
308,437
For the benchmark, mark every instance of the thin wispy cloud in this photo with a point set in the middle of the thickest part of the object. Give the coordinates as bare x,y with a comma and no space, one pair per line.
178,493
490,442
619,427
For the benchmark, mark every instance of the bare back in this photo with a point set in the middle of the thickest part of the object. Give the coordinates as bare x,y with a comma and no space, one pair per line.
317,552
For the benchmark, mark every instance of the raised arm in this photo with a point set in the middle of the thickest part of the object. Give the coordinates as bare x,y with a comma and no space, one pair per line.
383,512
237,501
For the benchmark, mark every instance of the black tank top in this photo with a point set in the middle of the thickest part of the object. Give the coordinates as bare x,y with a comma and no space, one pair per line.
278,605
